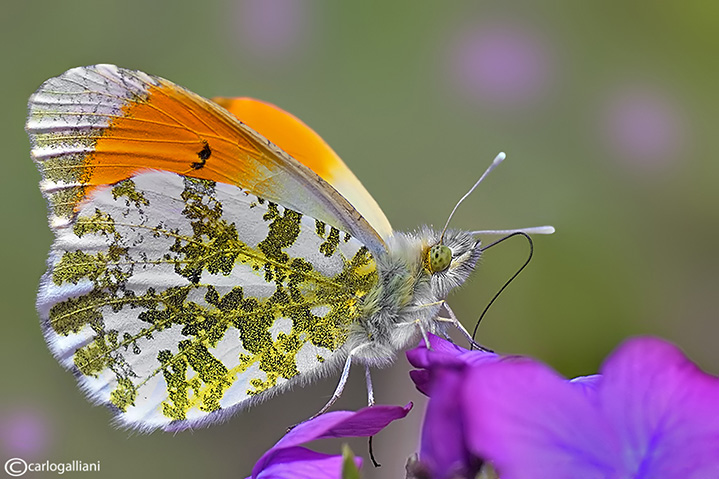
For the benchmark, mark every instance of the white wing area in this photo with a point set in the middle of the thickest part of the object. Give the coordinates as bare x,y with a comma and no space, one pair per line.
177,301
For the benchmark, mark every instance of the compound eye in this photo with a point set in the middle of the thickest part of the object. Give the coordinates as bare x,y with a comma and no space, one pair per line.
440,256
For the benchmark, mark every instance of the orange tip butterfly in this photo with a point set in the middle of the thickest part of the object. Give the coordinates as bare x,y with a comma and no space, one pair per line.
210,254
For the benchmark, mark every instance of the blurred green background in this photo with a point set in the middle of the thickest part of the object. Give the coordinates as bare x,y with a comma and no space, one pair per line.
608,112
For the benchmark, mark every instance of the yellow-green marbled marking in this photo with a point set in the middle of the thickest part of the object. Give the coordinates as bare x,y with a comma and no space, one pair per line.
211,247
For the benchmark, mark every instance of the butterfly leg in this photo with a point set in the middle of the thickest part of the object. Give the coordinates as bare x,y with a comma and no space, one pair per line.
444,333
370,389
424,334
370,403
422,330
343,381
465,333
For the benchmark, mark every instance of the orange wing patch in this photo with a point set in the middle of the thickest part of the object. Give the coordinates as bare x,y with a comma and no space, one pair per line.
303,144
172,131
286,131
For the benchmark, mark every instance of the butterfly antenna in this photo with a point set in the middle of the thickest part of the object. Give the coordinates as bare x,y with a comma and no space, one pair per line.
531,252
534,230
497,160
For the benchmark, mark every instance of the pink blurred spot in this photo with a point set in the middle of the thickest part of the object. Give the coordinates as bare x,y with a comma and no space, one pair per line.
501,66
644,127
272,30
23,433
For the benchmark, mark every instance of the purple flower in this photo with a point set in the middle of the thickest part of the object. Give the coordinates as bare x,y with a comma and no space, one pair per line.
287,459
644,127
502,64
274,32
444,452
24,431
651,414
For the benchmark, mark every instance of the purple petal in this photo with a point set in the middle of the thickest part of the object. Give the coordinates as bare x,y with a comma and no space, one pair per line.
365,422
301,463
665,410
421,379
443,450
532,423
587,384
443,353
590,382
651,414
421,357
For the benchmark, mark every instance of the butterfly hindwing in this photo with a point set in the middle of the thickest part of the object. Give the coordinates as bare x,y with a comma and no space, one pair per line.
177,299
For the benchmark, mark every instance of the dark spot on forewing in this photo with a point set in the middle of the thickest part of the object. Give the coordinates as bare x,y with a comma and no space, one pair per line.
203,155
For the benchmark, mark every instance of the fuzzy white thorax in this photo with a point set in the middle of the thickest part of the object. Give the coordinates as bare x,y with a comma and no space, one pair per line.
408,297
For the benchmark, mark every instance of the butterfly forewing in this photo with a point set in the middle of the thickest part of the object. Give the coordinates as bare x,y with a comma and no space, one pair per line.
176,299
101,124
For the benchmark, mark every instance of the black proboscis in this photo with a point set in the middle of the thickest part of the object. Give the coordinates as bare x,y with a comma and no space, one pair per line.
371,452
494,298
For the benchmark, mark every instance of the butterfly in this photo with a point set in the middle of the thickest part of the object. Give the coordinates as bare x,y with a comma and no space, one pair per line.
210,254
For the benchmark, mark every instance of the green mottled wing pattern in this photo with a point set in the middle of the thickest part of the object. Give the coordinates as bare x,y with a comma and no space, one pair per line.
177,301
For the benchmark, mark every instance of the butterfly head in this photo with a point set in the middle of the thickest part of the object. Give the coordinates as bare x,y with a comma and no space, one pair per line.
449,260
453,255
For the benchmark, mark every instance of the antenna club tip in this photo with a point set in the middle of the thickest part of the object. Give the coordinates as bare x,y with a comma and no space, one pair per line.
540,230
499,158
535,230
